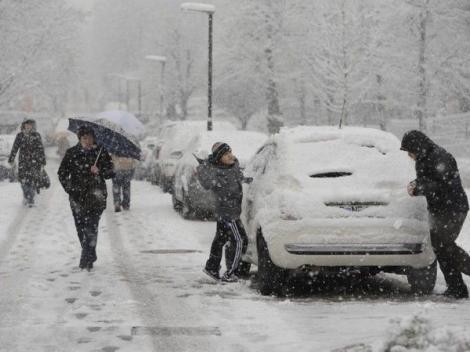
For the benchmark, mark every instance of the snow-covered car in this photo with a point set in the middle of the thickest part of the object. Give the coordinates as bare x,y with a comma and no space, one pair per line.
175,142
329,200
7,171
147,146
188,195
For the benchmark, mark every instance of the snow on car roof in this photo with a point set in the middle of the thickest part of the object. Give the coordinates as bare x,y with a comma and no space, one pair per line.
314,151
349,161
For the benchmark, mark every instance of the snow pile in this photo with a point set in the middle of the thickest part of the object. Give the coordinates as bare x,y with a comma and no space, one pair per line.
417,333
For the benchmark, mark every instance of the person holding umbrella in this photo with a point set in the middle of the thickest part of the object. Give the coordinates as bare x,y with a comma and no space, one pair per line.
82,173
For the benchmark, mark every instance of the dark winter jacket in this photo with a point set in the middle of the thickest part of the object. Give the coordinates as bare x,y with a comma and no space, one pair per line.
226,183
438,177
84,188
31,157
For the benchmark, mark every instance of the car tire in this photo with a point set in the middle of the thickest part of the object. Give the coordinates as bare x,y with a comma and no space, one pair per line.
176,203
422,280
271,278
243,270
187,210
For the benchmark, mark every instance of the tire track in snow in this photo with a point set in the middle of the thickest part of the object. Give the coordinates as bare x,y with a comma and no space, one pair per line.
167,338
23,217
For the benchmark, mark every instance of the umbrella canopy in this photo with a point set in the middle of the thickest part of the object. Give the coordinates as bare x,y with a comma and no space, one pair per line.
114,142
121,121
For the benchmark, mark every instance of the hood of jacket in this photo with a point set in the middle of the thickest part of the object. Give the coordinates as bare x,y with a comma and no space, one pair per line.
418,143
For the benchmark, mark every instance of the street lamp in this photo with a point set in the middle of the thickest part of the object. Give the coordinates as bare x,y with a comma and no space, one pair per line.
127,79
139,93
209,9
162,60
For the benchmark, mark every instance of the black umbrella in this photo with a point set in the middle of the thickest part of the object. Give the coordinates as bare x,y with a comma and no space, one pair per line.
114,142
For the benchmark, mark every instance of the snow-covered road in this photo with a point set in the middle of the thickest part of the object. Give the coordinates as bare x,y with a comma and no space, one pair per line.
147,291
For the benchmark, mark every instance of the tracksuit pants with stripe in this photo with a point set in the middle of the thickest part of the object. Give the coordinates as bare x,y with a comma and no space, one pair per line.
233,232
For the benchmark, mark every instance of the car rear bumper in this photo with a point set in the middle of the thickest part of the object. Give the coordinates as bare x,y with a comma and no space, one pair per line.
349,244
354,249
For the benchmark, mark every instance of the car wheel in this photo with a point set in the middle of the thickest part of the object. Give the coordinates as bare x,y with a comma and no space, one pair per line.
186,208
176,203
271,278
243,270
166,185
422,280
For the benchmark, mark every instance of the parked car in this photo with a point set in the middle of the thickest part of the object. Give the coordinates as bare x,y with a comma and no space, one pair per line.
147,146
328,200
189,196
174,142
7,171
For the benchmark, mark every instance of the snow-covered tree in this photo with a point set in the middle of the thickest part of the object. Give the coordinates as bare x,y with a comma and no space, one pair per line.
37,60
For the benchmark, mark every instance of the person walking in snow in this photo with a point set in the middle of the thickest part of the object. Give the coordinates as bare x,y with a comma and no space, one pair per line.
439,181
82,173
124,171
221,173
31,160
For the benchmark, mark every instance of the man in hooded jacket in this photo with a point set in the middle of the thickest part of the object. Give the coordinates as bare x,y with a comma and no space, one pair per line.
439,181
31,159
82,173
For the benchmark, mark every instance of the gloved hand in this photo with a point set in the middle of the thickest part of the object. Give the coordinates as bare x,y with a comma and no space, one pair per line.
248,180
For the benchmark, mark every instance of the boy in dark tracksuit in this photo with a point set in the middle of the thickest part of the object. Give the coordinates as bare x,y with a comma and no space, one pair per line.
221,173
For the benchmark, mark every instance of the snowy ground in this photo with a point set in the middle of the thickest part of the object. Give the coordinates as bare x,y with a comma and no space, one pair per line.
147,291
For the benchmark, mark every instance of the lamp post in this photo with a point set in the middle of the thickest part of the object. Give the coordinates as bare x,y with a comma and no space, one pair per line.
162,60
139,93
209,10
127,79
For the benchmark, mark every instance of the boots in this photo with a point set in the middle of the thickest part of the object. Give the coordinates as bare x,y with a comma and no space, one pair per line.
457,292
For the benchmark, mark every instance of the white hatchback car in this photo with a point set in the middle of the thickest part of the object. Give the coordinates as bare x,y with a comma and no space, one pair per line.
325,199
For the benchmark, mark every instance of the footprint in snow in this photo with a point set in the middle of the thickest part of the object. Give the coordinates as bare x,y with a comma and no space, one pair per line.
110,349
81,315
70,300
83,340
93,328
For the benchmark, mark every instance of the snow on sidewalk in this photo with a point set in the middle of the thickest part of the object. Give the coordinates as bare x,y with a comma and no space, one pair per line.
47,304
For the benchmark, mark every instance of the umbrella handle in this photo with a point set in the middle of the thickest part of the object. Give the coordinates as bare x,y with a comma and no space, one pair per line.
99,154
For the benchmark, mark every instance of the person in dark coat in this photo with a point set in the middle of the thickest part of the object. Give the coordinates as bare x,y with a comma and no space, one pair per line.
31,159
221,173
124,169
82,173
439,181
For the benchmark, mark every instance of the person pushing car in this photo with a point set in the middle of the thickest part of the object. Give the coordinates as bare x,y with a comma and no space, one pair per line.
438,179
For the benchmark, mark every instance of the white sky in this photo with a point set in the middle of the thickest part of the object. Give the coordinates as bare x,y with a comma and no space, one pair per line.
82,4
